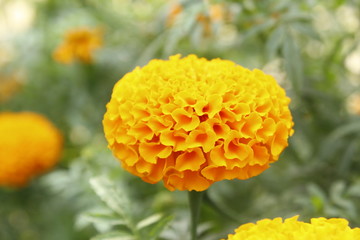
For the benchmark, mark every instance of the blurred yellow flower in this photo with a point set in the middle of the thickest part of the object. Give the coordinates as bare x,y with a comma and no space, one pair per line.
292,229
29,145
79,44
353,103
191,122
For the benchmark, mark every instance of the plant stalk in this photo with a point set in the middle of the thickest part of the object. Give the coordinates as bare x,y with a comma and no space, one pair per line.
195,199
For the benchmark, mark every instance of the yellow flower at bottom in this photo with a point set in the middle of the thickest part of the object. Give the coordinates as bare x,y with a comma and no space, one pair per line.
29,145
191,122
78,44
292,229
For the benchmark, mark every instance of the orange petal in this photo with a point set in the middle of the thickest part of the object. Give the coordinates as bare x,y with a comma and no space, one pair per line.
261,155
279,141
176,139
253,123
185,120
193,181
200,138
234,149
217,156
190,160
126,154
141,132
267,130
152,151
211,106
214,173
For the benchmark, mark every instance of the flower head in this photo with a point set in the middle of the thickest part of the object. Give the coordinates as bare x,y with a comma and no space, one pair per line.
291,228
191,122
78,44
29,145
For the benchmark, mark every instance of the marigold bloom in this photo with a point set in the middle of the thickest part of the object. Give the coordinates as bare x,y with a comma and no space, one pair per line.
29,145
292,229
78,44
191,122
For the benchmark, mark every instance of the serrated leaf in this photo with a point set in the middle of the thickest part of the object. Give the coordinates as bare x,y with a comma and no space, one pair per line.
348,156
296,16
274,41
100,217
307,30
330,144
109,195
181,28
293,63
337,191
258,29
116,235
148,221
159,227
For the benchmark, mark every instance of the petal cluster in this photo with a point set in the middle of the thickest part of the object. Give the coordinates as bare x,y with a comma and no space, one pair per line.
292,229
29,145
78,44
191,122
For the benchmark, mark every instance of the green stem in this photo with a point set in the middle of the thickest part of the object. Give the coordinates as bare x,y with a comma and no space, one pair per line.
195,199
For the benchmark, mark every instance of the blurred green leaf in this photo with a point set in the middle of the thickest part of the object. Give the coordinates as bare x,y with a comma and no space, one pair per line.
274,42
149,221
116,235
159,227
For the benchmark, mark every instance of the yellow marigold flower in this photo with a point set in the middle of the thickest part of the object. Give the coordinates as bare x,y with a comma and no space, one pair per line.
292,229
78,44
29,145
191,122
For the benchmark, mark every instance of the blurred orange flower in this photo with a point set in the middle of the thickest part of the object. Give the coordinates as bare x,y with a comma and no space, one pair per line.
79,44
216,14
9,85
29,145
174,12
191,122
291,228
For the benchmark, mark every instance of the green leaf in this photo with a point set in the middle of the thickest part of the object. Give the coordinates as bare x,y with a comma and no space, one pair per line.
103,217
257,29
337,196
331,144
348,156
181,28
110,195
293,63
148,221
318,197
296,16
116,235
159,227
274,42
307,30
